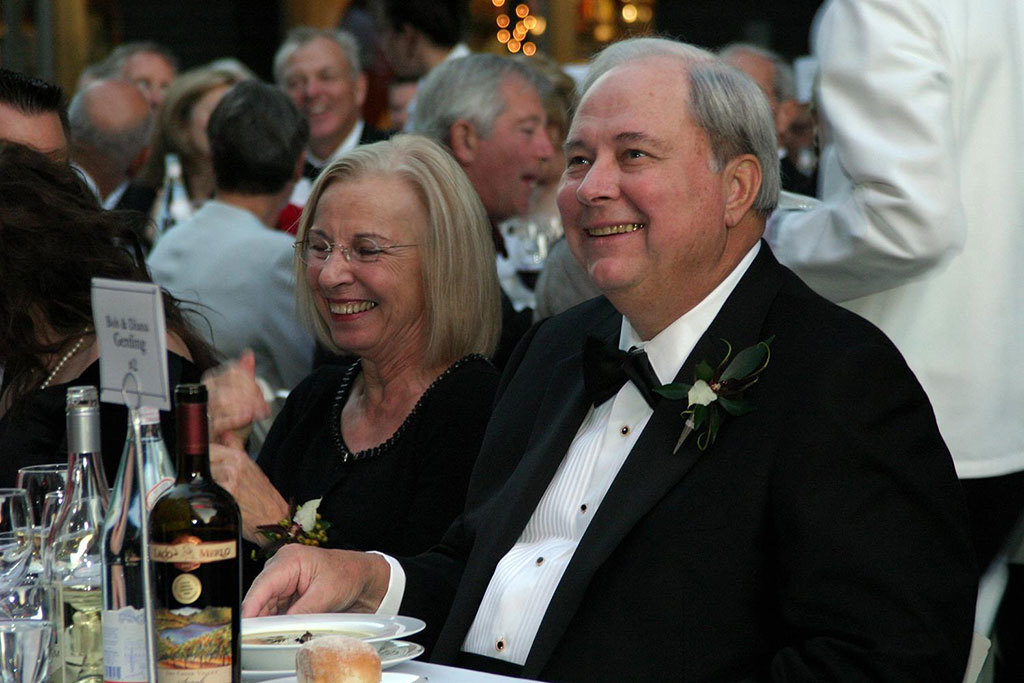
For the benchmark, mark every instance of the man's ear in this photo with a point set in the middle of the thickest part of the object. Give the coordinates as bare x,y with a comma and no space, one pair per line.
462,138
742,176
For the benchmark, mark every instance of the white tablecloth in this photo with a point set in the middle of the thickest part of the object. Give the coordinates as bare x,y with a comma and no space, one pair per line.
435,673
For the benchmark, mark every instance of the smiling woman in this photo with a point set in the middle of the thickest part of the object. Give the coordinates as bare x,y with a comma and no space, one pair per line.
395,267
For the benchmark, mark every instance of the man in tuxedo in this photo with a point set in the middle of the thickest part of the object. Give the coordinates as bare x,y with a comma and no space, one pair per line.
820,536
320,71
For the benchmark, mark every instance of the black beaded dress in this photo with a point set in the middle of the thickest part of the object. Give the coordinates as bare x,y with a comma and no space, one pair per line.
400,496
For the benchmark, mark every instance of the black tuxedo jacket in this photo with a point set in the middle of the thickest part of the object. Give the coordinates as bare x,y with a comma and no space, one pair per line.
821,537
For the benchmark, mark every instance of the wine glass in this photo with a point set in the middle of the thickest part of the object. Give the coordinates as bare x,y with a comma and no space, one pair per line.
15,537
38,480
24,650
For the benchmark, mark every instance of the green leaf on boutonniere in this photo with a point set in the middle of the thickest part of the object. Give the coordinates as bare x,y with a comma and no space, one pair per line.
719,391
704,371
675,391
734,406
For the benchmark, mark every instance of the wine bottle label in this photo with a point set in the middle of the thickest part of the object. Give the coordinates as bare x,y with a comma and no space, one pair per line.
187,552
194,645
124,646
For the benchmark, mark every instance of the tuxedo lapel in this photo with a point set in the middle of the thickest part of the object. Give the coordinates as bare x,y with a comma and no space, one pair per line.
560,413
652,469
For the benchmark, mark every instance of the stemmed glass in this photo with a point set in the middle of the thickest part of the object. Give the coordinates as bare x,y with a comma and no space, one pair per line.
38,480
24,650
15,537
25,638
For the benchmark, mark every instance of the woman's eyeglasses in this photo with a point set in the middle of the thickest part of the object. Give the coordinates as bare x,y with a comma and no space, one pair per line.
317,250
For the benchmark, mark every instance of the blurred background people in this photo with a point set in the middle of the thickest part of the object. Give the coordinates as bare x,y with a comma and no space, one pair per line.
110,127
321,73
401,92
396,268
488,111
777,81
178,178
418,35
33,113
54,238
147,65
228,257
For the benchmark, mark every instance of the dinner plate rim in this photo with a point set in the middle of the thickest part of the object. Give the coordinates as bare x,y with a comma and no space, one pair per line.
406,626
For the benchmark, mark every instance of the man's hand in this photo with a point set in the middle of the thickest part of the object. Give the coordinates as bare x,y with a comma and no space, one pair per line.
302,579
236,401
257,498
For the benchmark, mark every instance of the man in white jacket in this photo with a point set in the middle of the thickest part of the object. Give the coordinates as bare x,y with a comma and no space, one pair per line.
922,225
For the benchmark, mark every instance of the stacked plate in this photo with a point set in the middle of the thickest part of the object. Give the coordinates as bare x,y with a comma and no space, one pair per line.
269,643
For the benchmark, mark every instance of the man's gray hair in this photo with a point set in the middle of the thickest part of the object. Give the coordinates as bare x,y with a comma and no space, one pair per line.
118,146
783,78
301,35
724,103
113,65
468,88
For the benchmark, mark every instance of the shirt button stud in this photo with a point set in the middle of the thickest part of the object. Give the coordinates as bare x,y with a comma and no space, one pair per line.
583,508
500,645
540,561
624,430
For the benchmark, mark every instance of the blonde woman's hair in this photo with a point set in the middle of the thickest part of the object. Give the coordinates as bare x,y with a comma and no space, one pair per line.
460,280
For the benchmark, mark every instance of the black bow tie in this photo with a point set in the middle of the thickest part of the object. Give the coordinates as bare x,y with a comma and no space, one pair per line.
606,368
310,171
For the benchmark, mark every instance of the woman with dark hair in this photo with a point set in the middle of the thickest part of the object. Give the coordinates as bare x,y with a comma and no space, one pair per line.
54,238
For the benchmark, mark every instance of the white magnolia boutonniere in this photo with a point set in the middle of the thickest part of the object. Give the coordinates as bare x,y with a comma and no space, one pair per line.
302,525
718,391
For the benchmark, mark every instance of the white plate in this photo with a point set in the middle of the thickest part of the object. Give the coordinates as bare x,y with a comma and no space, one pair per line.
281,656
386,677
391,652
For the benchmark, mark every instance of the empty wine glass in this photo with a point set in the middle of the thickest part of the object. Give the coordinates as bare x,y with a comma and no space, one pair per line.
15,537
38,480
24,650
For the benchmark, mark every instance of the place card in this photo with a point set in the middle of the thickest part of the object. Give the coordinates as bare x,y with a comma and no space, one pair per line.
129,321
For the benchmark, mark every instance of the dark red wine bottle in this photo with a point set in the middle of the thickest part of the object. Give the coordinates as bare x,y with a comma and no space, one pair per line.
195,548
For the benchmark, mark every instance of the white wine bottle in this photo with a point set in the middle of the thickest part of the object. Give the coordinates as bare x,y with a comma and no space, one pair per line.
124,616
75,561
195,542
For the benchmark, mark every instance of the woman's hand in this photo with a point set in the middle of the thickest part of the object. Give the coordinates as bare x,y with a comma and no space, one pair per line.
235,401
257,498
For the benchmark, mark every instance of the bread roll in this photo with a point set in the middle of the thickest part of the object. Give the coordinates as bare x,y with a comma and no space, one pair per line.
337,659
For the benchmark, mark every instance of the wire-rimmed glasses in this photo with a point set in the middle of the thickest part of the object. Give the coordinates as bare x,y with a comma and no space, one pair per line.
316,249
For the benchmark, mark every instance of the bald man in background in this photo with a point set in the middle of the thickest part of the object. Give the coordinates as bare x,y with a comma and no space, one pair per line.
110,126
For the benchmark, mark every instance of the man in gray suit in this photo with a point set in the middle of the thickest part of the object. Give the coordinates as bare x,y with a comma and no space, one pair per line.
227,257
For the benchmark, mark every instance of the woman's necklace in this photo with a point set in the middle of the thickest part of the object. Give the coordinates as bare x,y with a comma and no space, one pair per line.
64,359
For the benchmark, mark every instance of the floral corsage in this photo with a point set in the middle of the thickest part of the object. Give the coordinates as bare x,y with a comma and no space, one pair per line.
302,525
716,391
